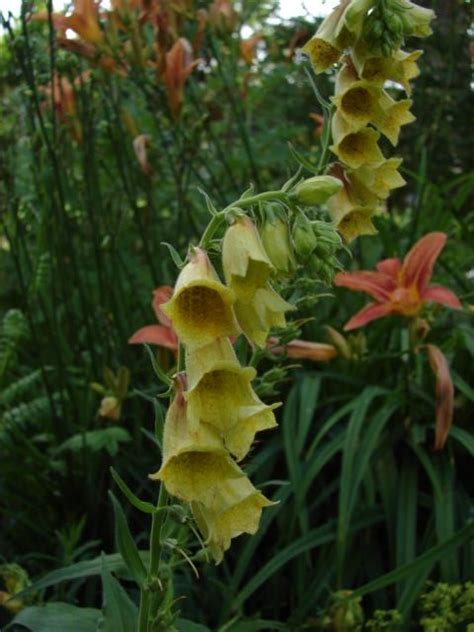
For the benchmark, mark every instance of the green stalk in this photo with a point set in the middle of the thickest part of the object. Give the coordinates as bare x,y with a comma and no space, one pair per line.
145,612
217,219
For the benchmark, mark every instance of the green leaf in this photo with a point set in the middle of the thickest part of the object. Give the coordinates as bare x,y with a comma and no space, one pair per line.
96,440
311,540
57,617
86,568
464,438
125,544
304,162
429,558
120,613
141,505
179,263
352,447
185,625
406,515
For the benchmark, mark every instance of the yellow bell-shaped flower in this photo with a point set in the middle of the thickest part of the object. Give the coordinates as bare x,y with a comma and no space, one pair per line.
350,217
401,68
355,149
357,100
201,306
265,311
379,180
195,462
392,115
245,262
337,31
220,394
234,510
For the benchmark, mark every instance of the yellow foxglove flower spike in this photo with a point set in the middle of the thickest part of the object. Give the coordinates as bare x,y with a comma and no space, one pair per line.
265,311
234,510
220,394
247,266
201,306
392,115
195,461
355,149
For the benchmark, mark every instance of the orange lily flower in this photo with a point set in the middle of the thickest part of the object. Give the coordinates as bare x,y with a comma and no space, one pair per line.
162,335
84,21
247,48
303,350
444,395
400,288
179,65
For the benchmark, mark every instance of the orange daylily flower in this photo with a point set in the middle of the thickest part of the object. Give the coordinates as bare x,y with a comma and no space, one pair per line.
179,65
162,335
400,288
140,143
84,21
444,395
247,48
63,99
303,350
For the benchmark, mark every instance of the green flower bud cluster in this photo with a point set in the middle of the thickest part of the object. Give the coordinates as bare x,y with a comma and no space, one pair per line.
316,244
386,27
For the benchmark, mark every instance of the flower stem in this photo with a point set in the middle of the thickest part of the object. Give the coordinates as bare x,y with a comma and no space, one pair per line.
217,220
144,615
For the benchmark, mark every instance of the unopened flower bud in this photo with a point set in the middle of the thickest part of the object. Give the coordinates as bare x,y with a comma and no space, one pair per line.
304,238
276,241
316,190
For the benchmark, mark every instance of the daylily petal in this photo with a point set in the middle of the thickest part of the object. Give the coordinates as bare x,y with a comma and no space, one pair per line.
155,335
376,284
444,395
389,266
161,295
418,265
367,314
303,349
442,295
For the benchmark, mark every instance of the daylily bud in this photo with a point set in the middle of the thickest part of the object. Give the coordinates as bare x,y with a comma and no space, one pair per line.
110,407
201,306
234,510
339,342
304,238
315,190
276,241
195,461
247,266
219,394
